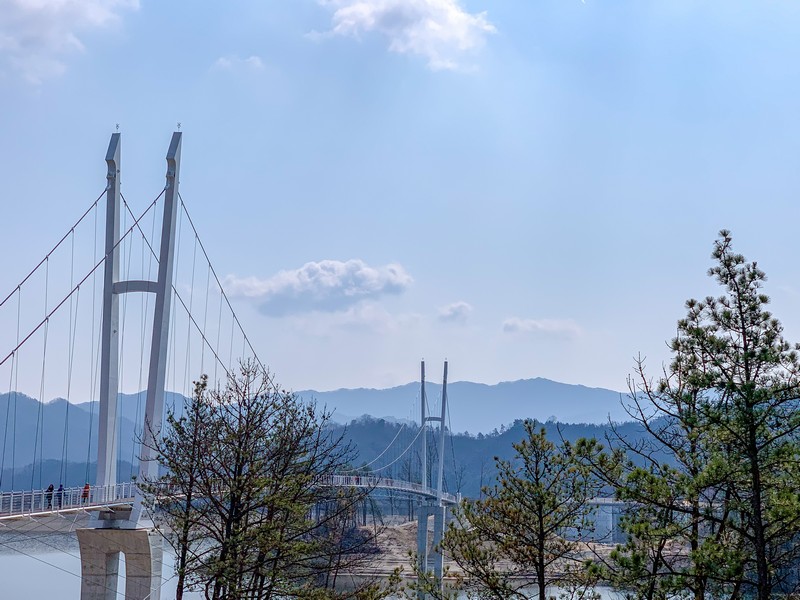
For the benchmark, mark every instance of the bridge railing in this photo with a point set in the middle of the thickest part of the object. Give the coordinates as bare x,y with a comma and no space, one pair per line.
29,502
392,484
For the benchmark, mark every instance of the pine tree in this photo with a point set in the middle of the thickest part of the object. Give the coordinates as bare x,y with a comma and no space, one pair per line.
754,373
525,526
714,506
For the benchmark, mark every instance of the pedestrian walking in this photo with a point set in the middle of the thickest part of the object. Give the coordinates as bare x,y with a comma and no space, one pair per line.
49,497
85,493
60,495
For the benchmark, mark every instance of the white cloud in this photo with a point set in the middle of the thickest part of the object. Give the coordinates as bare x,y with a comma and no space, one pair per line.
229,63
457,312
440,31
327,285
551,327
37,35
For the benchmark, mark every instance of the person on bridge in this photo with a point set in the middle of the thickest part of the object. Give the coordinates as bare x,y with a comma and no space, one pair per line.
85,493
49,496
60,495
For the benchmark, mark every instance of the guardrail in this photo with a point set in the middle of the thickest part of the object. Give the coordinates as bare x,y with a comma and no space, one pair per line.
391,484
24,503
28,503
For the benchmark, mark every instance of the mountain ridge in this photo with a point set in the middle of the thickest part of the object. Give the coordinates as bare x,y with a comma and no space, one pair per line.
492,413
477,408
481,407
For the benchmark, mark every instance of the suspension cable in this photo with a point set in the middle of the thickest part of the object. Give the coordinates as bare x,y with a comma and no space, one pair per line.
188,329
47,256
202,333
92,364
205,317
16,387
73,324
5,429
173,361
127,254
452,446
200,330
399,431
38,437
145,308
144,312
410,445
80,283
219,283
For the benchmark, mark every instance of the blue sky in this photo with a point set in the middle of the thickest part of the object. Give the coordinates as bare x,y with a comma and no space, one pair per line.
526,188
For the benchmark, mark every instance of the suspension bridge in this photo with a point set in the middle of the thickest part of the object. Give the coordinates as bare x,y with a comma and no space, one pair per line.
129,300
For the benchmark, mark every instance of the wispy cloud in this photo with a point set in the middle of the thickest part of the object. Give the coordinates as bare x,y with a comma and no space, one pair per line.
230,63
457,312
565,328
36,36
440,31
364,317
327,285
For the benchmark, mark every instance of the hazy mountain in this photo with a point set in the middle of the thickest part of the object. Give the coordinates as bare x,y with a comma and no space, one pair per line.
481,408
57,431
489,412
468,459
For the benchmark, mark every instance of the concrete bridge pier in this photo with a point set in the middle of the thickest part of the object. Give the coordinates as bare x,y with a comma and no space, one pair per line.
100,550
429,552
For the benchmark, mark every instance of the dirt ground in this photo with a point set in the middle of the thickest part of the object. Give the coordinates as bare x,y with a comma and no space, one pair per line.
396,543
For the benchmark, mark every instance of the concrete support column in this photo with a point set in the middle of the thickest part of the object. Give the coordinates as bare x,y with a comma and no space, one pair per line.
422,537
437,558
100,550
429,552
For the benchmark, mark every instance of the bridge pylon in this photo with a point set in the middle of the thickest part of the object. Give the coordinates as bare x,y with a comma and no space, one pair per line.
430,557
123,530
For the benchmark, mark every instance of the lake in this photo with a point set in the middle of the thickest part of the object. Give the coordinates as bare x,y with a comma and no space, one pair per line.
41,565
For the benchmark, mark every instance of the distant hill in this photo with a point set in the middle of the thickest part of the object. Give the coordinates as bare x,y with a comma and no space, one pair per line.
491,413
468,459
481,408
76,443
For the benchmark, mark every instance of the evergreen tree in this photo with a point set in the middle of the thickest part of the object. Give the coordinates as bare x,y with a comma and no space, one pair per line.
755,375
526,525
713,492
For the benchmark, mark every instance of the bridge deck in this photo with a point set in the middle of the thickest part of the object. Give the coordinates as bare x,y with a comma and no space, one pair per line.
15,505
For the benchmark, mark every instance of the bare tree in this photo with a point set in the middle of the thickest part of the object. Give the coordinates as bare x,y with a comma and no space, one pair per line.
245,468
175,495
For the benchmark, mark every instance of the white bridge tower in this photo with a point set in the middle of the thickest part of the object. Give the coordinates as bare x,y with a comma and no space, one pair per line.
429,551
116,531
